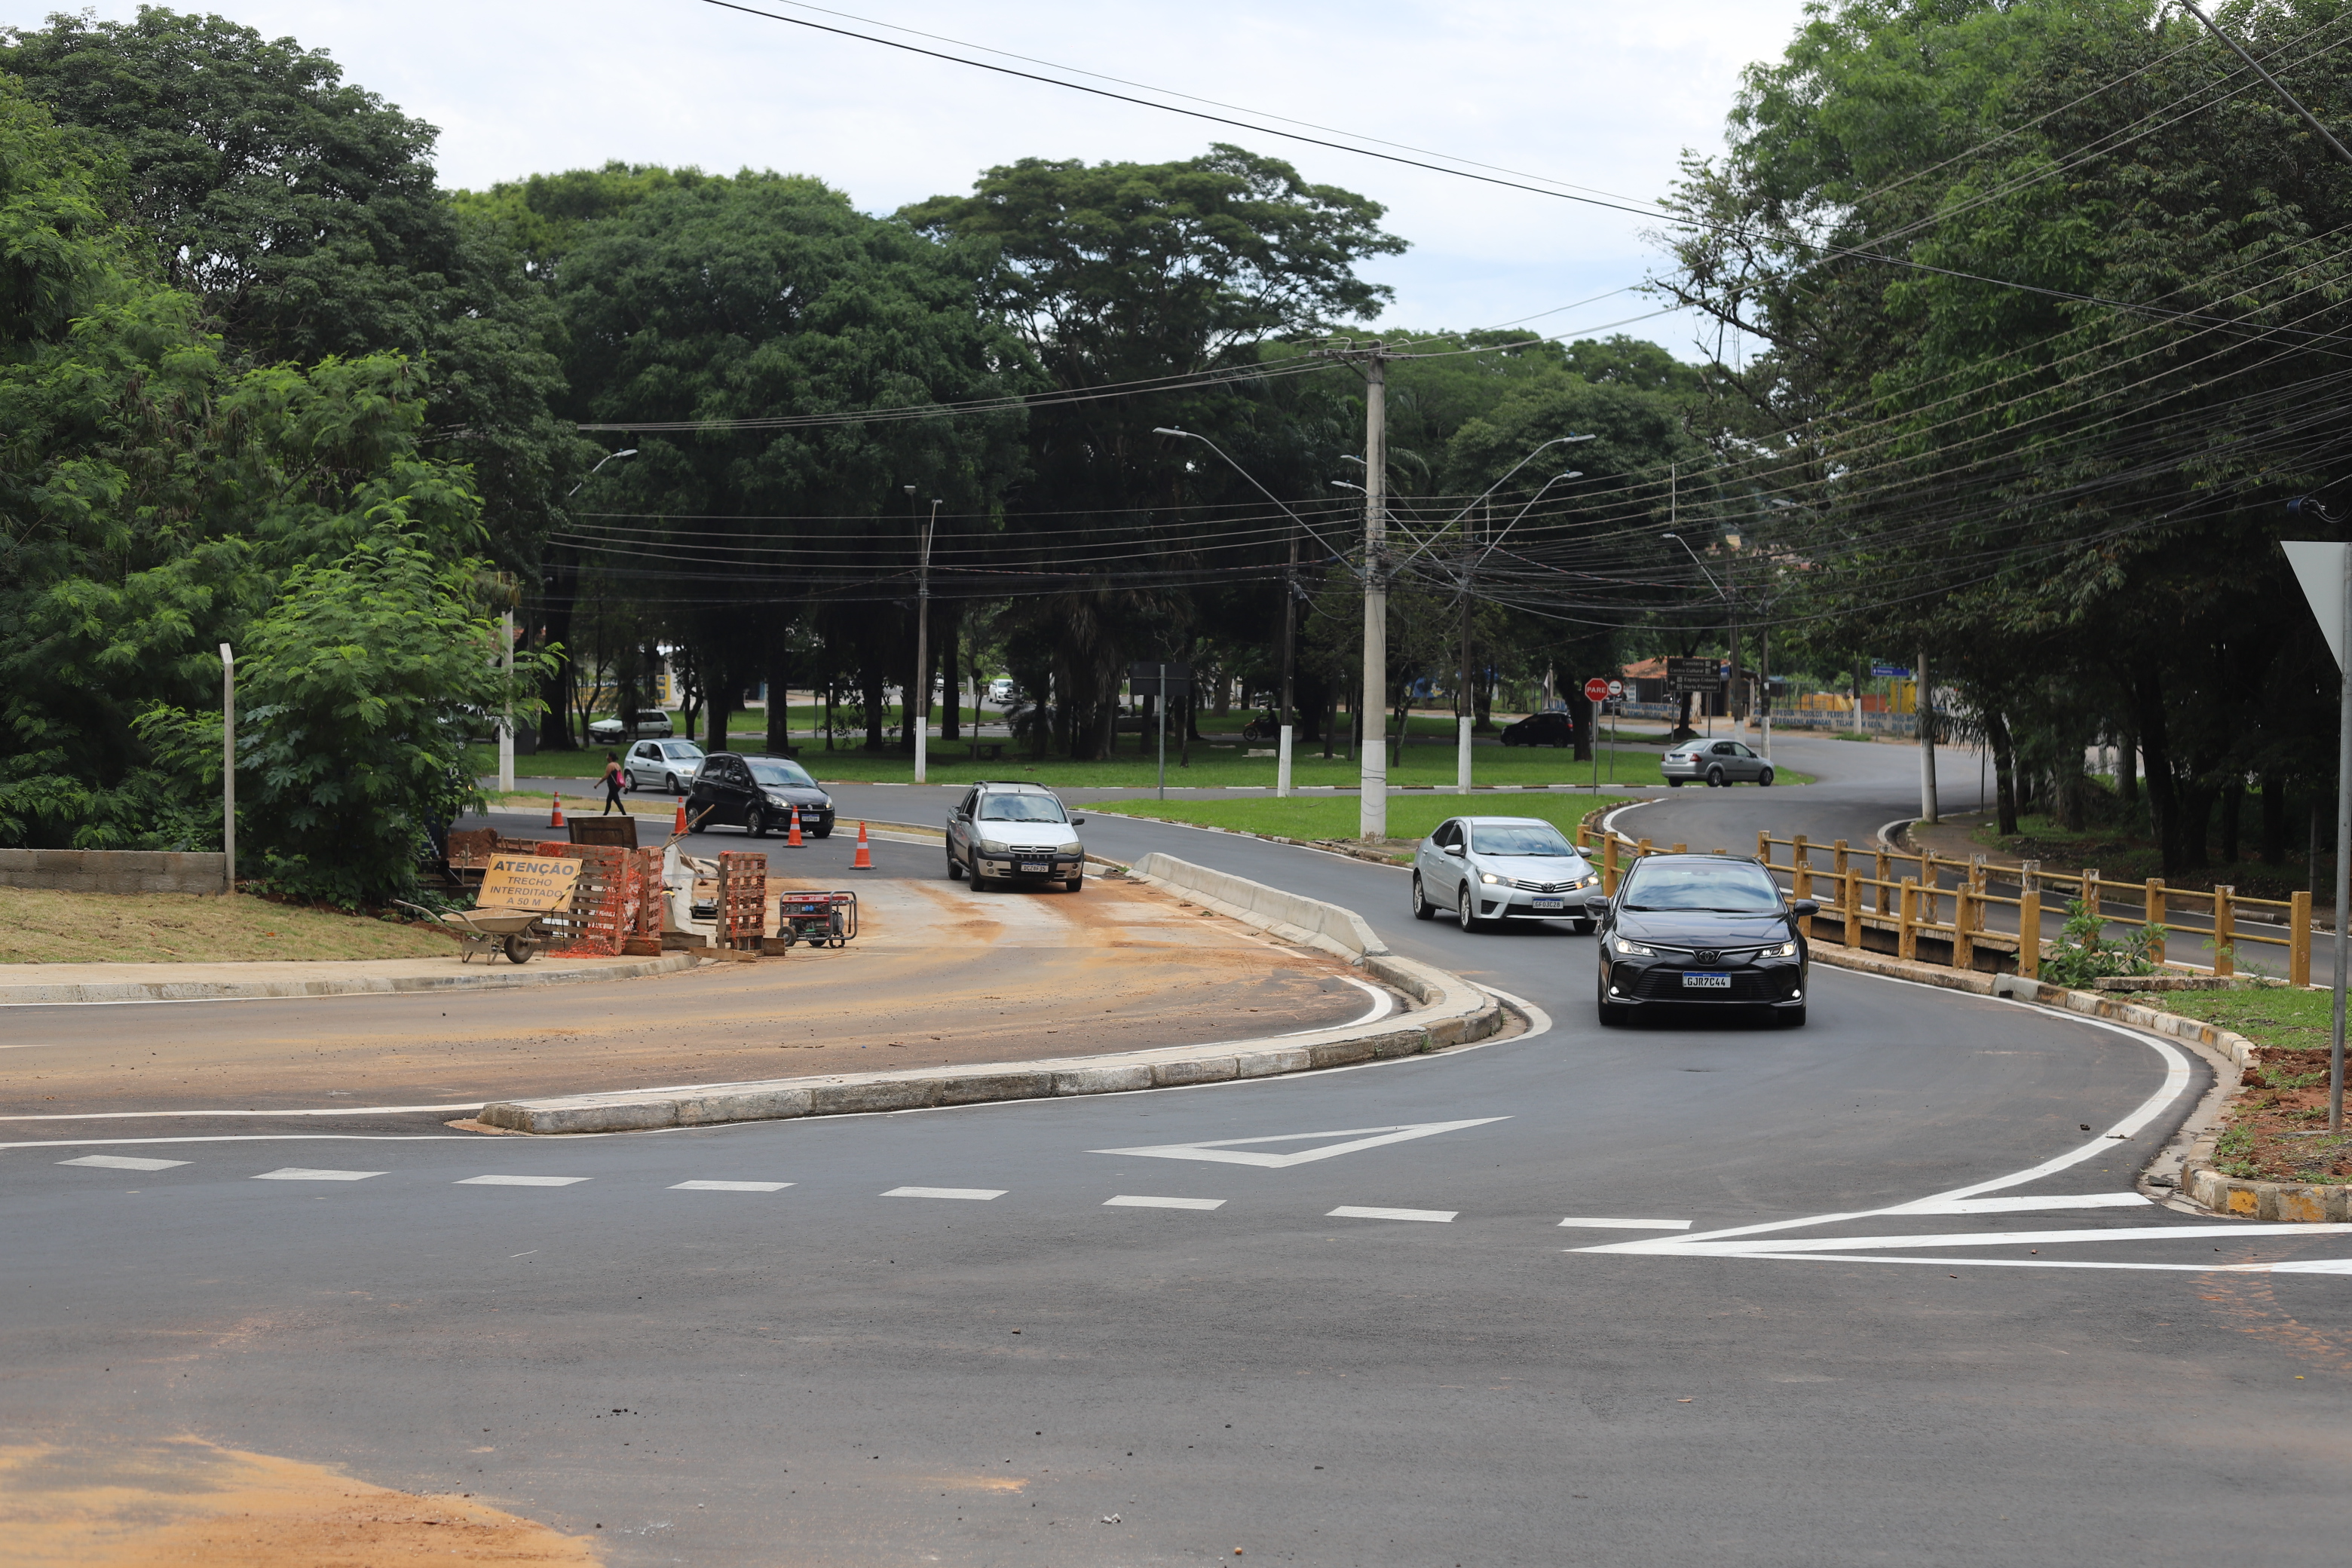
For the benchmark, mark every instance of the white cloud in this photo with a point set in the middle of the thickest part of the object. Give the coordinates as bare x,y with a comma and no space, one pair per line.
1604,95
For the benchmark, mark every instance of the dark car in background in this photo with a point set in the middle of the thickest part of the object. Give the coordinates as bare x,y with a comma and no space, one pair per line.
1701,929
757,794
1553,729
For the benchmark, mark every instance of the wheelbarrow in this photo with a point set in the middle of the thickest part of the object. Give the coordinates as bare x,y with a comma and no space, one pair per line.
518,934
821,920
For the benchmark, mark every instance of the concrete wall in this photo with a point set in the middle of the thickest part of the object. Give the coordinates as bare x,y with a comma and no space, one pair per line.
111,870
1311,921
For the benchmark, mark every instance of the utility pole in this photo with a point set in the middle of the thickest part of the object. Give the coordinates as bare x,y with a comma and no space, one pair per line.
1289,663
229,769
1372,808
923,646
506,723
1923,708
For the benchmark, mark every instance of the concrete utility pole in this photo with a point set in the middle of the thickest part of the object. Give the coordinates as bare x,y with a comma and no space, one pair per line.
1922,710
1289,663
506,723
1372,807
228,770
923,646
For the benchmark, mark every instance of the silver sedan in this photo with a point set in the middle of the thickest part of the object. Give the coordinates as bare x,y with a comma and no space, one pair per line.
1719,763
1491,870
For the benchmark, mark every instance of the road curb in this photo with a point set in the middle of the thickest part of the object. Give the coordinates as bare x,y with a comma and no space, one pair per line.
508,979
2185,1166
1450,1011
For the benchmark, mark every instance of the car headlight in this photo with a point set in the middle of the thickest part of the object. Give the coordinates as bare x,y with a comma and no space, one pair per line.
1488,877
991,846
1787,950
778,800
1632,949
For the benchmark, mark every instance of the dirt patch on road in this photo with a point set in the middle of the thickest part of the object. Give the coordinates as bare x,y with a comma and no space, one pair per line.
939,976
149,1504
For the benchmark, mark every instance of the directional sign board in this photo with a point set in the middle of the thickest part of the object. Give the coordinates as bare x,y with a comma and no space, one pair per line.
1596,689
1891,672
1144,680
1692,675
2319,568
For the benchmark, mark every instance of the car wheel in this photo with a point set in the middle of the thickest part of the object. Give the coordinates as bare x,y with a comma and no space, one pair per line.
1462,905
669,783
1075,884
824,832
1674,784
1765,778
1423,909
955,868
1714,778
971,869
756,825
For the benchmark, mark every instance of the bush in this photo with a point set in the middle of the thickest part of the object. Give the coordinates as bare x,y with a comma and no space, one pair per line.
2083,954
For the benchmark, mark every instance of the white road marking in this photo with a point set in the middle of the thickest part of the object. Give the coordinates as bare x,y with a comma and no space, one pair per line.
1627,1224
122,1163
976,1194
729,1186
2023,1206
1234,1150
282,1138
1128,1201
1350,1211
328,1111
521,1180
299,1174
2006,1237
1383,1004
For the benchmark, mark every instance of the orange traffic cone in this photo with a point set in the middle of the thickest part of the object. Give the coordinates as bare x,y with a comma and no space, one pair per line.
793,839
679,826
864,860
555,816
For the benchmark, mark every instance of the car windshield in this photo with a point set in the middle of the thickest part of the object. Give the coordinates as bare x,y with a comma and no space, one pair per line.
1723,888
1021,809
1518,839
682,749
779,773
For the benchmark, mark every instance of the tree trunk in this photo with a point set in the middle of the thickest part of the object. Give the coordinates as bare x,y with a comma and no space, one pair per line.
875,687
2004,770
2128,767
2274,819
2164,804
951,689
779,698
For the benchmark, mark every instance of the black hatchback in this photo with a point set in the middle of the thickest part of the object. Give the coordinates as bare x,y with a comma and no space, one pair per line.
1552,729
757,794
1704,930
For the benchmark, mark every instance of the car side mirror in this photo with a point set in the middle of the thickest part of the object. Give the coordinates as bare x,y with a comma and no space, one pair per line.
1804,907
1596,907
1454,849
1077,822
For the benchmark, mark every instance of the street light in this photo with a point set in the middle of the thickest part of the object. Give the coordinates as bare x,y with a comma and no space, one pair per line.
622,456
923,645
506,720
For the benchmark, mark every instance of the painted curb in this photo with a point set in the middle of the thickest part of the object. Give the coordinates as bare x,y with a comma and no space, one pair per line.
2197,1180
1450,1012
508,979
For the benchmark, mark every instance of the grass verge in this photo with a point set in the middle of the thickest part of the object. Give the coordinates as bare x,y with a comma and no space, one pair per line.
2275,1130
40,925
1334,820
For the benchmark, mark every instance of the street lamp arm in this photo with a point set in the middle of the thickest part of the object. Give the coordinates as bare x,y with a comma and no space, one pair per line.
1711,583
623,455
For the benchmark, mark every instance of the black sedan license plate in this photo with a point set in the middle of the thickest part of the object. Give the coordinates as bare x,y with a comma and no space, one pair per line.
1034,866
1704,980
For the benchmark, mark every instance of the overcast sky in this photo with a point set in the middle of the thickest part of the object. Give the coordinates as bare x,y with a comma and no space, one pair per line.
1604,95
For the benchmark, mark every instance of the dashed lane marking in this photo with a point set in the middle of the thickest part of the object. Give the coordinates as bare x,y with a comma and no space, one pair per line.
1350,1211
976,1194
299,1174
1133,1201
1241,1150
122,1163
521,1180
729,1186
1588,1224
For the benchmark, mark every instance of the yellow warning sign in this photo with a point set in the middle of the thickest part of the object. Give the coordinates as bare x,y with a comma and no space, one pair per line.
528,882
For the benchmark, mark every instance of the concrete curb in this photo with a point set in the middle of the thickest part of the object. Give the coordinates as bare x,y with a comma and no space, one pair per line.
1451,1012
2186,1165
509,978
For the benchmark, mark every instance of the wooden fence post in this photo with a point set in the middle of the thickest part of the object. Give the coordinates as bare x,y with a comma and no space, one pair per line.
1837,857
1976,874
1906,932
1852,881
1763,846
1680,849
2155,906
1885,882
2029,934
1643,851
1583,836
1609,867
1964,914
2093,895
2225,931
2298,940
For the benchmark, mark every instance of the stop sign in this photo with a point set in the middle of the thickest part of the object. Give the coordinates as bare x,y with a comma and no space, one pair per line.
1596,689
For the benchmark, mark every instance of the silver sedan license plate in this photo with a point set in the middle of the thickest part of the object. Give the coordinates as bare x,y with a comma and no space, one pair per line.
1034,866
1551,903
1704,980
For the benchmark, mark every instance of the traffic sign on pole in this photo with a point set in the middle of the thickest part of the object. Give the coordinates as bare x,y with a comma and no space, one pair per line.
1596,689
1616,688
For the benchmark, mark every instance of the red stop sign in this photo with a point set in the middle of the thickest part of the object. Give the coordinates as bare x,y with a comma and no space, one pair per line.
1596,689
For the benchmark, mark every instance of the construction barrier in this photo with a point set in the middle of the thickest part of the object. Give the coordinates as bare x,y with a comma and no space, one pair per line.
742,900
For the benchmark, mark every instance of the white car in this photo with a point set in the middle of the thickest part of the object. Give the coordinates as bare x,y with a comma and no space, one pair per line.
1008,833
1490,869
665,765
999,692
605,731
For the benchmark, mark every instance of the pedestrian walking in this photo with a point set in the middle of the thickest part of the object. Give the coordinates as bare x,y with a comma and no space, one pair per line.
615,780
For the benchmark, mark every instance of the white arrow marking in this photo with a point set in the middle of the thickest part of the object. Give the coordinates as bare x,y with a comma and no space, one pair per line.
1234,1150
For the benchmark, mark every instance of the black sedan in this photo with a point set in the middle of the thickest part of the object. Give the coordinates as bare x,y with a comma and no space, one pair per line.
1707,929
1553,729
757,794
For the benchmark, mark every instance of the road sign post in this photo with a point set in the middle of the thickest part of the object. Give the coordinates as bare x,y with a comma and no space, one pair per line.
1596,693
1160,680
1616,700
2325,571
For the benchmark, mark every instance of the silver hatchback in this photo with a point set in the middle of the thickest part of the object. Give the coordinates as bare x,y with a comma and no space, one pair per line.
1719,763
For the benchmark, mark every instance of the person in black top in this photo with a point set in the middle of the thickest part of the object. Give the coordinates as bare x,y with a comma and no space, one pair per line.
615,780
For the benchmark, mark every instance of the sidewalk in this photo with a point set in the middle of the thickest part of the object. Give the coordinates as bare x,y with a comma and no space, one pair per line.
44,984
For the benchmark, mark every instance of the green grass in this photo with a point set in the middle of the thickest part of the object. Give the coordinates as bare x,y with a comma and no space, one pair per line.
1329,817
2273,1015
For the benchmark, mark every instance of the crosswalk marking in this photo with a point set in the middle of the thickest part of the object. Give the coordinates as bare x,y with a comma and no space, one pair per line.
729,1186
977,1193
521,1180
1131,1200
297,1174
1350,1211
122,1163
1588,1224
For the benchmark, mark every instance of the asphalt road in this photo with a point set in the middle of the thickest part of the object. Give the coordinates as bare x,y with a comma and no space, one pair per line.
1760,1366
